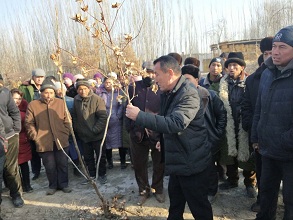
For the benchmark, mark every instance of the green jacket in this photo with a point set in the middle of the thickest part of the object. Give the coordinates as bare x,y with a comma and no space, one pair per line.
27,88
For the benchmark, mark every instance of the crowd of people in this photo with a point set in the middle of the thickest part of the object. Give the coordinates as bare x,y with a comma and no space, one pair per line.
198,130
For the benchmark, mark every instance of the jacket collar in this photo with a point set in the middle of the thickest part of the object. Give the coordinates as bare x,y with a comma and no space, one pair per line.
269,63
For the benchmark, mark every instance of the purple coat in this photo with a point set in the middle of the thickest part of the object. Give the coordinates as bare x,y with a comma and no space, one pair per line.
114,133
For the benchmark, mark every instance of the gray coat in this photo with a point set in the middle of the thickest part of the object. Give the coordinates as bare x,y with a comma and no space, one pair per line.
181,121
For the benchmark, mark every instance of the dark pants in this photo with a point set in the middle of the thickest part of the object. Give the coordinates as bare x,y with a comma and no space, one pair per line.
11,170
122,155
36,160
233,176
89,151
273,172
140,156
25,176
193,190
213,178
2,161
56,165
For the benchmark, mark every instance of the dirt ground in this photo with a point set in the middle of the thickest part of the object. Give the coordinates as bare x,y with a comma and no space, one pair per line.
83,203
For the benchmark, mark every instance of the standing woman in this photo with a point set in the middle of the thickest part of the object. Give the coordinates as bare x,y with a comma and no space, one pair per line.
25,153
114,133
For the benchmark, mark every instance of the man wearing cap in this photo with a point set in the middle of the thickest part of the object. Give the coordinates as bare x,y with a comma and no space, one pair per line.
237,155
272,128
10,116
31,91
248,106
215,120
89,121
145,140
47,124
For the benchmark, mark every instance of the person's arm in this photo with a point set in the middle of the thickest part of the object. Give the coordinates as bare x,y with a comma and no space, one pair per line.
14,113
220,114
101,117
30,124
246,108
3,140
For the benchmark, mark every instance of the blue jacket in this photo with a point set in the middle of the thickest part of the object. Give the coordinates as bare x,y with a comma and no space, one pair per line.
181,121
273,118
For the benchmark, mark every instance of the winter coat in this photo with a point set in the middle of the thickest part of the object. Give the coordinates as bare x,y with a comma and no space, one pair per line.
9,113
272,125
89,117
146,100
30,91
47,122
24,153
249,97
181,121
212,85
3,140
114,132
71,91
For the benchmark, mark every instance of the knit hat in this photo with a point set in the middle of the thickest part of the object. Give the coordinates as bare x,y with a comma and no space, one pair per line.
68,75
1,80
47,84
82,82
235,57
112,75
77,76
224,55
38,72
285,35
190,69
216,60
59,85
98,75
266,44
148,65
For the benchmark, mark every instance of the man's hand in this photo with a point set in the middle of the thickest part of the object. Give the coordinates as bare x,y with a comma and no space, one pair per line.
158,146
132,112
255,146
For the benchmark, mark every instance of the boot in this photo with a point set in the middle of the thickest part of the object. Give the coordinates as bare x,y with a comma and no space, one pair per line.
122,154
109,158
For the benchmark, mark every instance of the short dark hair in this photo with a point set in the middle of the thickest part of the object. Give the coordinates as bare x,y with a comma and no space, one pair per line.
168,62
14,90
192,60
191,70
177,57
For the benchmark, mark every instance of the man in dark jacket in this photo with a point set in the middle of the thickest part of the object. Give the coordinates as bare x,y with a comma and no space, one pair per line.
215,119
184,142
10,116
145,140
272,127
89,118
248,106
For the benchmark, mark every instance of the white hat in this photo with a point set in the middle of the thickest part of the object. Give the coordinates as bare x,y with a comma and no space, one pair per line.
112,75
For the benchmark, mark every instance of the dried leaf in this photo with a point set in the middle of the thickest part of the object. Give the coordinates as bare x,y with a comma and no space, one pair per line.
96,34
119,98
127,37
116,5
53,56
74,60
99,1
85,8
155,88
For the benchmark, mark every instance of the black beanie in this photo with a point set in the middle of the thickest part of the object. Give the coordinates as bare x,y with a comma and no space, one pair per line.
235,57
285,35
82,82
217,60
190,69
266,44
47,84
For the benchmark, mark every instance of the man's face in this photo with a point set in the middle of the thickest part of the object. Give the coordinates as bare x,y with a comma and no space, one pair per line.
83,91
235,70
38,80
282,54
162,78
48,94
108,84
215,68
267,54
193,80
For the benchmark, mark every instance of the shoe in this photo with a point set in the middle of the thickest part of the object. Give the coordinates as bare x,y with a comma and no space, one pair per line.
143,196
123,166
36,176
27,189
251,192
103,179
160,197
227,185
255,207
67,190
85,182
17,202
51,192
